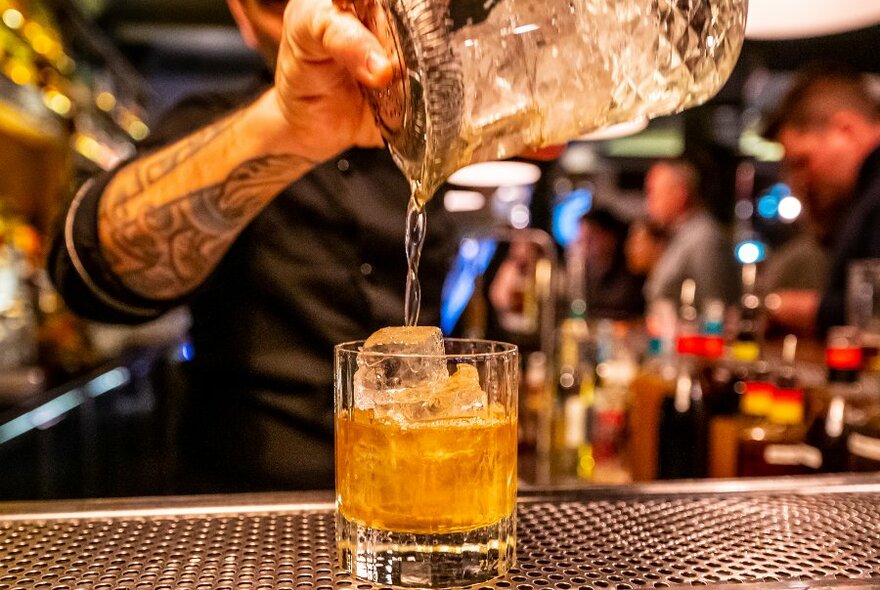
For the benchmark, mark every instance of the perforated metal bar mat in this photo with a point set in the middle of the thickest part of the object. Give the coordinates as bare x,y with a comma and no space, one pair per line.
567,541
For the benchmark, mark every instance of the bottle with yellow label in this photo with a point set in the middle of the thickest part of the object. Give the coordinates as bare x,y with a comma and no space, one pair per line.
776,445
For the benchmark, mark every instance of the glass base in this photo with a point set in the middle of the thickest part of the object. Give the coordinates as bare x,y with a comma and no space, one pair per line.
426,560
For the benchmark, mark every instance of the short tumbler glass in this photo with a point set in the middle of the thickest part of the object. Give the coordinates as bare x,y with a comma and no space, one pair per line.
426,481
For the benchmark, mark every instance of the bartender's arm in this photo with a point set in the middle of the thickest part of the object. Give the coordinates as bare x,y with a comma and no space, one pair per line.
165,220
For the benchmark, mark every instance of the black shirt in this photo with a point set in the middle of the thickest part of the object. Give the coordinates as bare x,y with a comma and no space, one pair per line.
324,263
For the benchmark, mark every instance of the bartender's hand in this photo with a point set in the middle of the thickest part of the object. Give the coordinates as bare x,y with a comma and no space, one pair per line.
325,50
166,219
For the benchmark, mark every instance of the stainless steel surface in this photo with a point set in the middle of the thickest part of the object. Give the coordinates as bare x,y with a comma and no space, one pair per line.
785,533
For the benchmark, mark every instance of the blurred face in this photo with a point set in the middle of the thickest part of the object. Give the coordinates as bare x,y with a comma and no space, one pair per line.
260,23
598,243
821,164
666,195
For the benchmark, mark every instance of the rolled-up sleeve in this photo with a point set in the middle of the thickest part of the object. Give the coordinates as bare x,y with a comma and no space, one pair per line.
76,263
81,273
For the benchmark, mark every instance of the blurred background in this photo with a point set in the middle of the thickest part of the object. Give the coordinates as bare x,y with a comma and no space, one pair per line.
88,410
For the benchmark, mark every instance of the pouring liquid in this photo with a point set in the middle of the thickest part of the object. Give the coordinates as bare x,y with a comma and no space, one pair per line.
416,226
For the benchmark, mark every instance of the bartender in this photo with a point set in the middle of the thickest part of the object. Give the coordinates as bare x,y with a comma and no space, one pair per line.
277,217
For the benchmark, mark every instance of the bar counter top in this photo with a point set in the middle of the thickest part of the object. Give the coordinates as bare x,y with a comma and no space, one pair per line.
816,532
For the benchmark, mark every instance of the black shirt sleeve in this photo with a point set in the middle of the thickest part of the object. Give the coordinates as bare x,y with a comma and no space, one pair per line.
76,263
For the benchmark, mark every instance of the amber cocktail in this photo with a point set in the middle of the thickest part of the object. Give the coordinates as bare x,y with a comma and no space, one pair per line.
426,461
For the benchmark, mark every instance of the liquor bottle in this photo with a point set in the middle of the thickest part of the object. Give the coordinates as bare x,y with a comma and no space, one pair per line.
714,373
683,420
725,381
534,401
775,446
615,371
572,455
742,369
844,404
654,381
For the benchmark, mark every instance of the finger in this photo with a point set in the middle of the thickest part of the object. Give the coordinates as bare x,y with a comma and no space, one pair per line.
331,33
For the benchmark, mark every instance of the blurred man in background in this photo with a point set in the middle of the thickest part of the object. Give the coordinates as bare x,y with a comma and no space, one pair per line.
698,248
272,215
612,291
829,125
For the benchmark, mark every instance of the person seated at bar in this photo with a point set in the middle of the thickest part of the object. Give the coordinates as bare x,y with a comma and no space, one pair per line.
612,291
699,247
273,214
829,126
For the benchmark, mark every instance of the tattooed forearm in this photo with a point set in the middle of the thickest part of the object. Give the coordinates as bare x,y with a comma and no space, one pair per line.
164,250
134,180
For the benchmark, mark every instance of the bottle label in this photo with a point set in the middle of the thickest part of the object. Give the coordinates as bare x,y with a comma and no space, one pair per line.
758,398
745,351
845,358
708,346
575,422
689,344
793,455
713,347
787,406
864,446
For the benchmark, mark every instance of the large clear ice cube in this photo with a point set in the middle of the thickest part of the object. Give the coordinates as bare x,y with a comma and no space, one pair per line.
402,374
398,358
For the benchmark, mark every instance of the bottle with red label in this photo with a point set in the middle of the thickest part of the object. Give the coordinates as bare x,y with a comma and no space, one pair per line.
843,402
775,446
683,421
724,380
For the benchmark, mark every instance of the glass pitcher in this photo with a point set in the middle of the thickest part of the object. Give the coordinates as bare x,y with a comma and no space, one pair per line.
480,80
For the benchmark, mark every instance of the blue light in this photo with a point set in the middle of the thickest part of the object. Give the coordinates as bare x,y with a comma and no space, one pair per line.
187,351
768,203
768,206
750,251
779,190
568,212
458,288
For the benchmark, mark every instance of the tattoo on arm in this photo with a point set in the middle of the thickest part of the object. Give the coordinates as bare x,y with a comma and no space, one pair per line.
134,180
163,251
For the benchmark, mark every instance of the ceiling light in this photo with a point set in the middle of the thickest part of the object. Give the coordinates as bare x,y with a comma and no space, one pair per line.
793,19
496,174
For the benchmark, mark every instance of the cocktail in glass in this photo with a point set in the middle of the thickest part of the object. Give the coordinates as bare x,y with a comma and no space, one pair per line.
426,465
